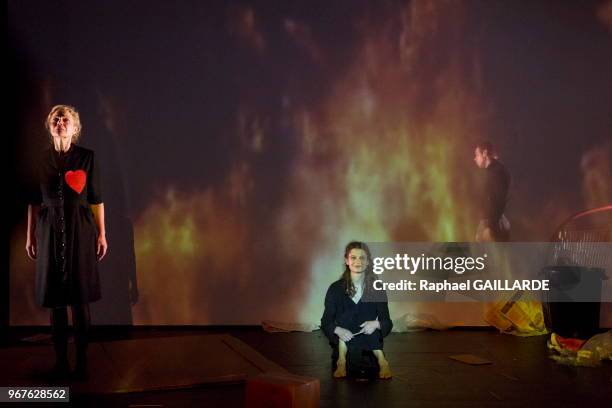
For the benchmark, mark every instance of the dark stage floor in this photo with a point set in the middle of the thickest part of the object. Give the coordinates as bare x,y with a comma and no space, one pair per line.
521,374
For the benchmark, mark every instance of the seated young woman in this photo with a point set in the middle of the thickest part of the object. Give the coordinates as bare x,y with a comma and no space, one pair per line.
351,321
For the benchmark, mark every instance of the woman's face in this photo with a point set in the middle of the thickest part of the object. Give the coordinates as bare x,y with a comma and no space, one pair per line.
357,261
62,126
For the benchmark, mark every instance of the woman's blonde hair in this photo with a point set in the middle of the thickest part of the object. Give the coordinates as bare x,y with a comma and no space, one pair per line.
65,110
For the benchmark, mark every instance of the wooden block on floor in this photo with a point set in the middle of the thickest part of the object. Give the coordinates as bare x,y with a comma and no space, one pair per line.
282,390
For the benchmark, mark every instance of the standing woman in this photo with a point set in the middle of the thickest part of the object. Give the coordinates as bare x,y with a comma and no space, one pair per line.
66,234
352,324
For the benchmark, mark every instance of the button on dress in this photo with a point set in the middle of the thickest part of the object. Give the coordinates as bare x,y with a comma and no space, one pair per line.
66,232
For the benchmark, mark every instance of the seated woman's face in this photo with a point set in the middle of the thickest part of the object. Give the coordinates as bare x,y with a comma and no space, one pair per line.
357,261
62,126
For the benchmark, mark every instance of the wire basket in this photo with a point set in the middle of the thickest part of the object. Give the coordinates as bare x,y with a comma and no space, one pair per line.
584,239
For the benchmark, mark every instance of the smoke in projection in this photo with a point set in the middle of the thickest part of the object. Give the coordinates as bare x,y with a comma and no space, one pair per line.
374,161
254,155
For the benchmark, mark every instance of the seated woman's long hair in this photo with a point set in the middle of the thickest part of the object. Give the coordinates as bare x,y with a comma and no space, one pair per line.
349,287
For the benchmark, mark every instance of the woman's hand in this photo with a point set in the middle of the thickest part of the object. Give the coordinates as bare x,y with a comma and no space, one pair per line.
345,335
31,247
369,326
102,246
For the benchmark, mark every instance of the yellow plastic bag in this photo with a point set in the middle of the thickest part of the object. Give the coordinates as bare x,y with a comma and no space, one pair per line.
517,315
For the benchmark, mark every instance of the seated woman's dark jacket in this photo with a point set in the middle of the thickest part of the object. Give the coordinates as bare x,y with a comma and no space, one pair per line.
340,310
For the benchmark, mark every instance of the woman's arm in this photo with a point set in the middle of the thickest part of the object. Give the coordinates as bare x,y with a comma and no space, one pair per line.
102,246
382,310
328,321
383,320
31,231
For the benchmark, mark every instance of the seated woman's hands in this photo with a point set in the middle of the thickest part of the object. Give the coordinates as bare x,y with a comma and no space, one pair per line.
345,335
370,326
367,327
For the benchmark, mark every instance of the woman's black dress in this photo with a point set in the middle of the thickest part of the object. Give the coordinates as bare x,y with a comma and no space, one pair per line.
341,310
66,233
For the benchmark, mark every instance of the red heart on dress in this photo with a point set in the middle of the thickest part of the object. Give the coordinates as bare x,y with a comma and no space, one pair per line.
76,180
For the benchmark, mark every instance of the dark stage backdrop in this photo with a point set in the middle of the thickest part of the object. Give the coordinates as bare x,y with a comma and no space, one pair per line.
243,144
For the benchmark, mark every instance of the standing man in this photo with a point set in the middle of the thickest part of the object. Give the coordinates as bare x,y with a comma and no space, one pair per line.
493,226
